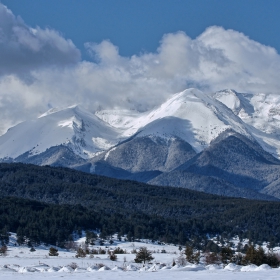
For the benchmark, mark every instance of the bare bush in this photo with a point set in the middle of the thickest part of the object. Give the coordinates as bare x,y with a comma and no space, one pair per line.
212,258
101,251
134,251
73,265
94,252
112,256
71,245
181,260
3,251
80,253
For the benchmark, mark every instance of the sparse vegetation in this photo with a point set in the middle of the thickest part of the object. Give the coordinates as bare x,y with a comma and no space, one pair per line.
212,258
112,256
73,265
80,253
191,255
119,250
3,251
258,256
53,252
143,255
32,249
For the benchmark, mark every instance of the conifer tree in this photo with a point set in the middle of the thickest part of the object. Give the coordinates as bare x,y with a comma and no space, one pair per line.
143,255
272,259
255,256
226,255
53,252
191,256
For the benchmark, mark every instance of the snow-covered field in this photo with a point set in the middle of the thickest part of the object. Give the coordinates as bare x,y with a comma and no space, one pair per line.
20,263
167,274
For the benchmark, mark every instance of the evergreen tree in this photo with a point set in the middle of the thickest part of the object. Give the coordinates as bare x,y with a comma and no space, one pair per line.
254,256
143,255
4,236
53,223
272,259
119,236
191,256
90,237
212,247
53,252
226,255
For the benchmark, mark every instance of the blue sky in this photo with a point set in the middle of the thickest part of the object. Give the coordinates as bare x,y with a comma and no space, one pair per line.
138,25
128,54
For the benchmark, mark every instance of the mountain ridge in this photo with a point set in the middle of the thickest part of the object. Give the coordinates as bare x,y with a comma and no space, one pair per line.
213,142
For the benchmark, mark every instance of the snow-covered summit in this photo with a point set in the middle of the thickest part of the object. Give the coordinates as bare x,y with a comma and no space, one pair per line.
260,112
80,130
191,115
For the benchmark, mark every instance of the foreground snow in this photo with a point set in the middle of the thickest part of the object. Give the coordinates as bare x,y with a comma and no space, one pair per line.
23,264
43,272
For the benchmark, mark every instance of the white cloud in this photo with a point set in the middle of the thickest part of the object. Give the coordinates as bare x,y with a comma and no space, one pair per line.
215,60
23,49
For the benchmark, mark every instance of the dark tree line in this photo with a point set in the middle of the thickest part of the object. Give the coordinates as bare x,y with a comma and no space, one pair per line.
47,204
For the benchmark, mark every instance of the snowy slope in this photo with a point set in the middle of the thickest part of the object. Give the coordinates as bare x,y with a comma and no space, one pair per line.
261,113
198,118
20,263
83,132
195,117
190,115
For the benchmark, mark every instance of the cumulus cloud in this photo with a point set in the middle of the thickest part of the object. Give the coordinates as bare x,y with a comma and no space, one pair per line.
24,49
215,60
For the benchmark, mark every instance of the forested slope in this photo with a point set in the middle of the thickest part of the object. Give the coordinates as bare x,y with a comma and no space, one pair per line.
68,200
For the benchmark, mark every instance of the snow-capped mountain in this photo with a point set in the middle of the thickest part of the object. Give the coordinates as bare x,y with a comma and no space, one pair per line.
171,141
261,113
198,118
81,131
189,115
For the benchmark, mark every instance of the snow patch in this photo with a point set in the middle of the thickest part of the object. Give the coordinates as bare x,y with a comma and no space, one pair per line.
108,153
263,267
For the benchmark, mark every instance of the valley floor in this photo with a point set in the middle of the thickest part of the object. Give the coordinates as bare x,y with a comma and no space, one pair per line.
166,275
20,263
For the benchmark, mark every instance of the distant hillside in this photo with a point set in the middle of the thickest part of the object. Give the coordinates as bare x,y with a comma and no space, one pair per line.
164,213
223,143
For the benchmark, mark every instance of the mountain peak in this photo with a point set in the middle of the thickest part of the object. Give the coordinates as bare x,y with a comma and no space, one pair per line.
49,112
191,115
72,108
73,127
